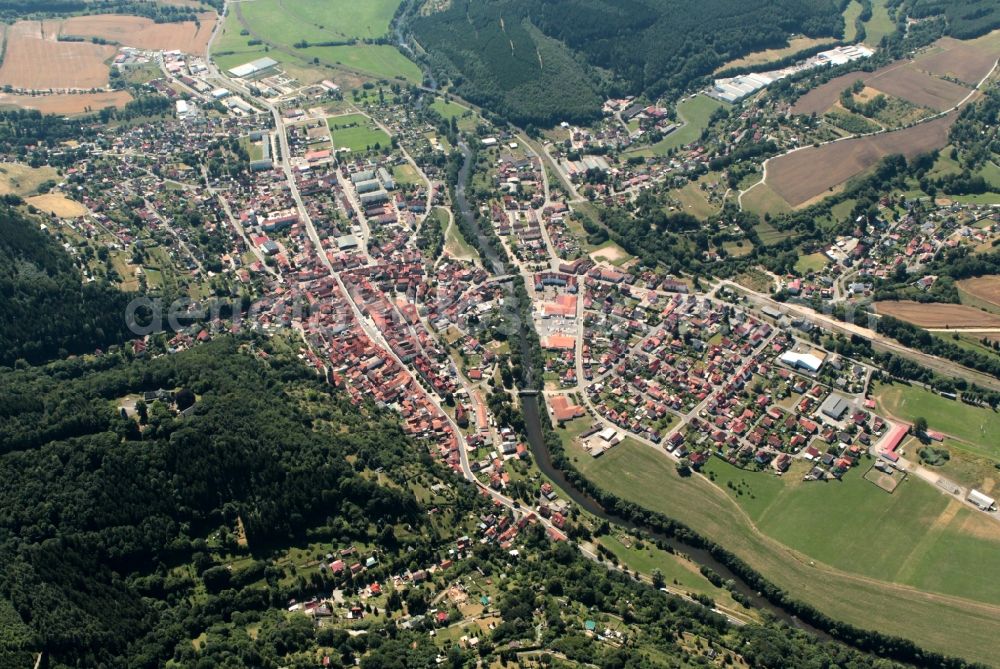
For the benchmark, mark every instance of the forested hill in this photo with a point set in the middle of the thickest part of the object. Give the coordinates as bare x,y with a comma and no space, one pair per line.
965,18
545,61
46,311
96,512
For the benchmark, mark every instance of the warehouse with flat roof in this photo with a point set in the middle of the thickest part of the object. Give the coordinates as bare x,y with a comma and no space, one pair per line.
255,69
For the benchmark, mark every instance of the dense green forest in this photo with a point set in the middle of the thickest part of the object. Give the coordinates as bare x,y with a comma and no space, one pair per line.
45,309
966,18
161,12
544,62
97,507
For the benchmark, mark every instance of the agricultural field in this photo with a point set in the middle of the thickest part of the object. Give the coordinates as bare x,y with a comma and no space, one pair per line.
908,538
57,205
918,81
981,292
695,112
332,23
356,132
143,33
378,60
68,103
795,45
317,21
967,61
972,428
919,88
35,60
937,315
802,175
851,13
20,179
680,573
761,199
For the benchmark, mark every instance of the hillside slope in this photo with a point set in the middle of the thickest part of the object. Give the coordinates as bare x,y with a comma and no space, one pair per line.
655,46
45,309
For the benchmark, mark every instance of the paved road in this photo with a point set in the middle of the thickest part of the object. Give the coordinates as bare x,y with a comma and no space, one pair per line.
878,341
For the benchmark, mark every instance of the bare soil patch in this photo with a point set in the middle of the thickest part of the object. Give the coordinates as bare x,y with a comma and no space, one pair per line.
938,315
35,60
143,33
919,88
67,103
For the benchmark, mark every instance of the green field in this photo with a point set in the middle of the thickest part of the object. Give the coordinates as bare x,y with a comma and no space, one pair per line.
851,12
466,119
879,24
762,199
406,175
813,262
974,428
679,573
694,200
846,543
314,21
768,233
695,112
356,132
379,60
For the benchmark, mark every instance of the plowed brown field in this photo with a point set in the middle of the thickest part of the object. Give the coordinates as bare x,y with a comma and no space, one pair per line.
800,176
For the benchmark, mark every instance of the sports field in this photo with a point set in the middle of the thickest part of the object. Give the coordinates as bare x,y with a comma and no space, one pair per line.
696,112
974,428
853,551
356,132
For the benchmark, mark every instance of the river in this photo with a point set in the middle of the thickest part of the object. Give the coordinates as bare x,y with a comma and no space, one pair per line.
543,459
